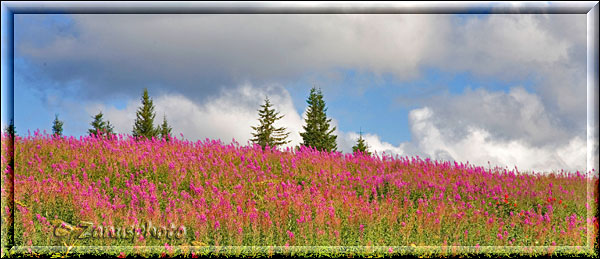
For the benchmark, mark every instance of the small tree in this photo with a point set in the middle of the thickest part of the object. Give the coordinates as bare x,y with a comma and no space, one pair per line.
317,133
265,133
361,146
165,129
57,126
10,128
144,122
110,129
100,127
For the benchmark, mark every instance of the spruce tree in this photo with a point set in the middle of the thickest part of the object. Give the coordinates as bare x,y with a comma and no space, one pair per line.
144,122
361,146
165,129
265,133
100,127
57,126
317,133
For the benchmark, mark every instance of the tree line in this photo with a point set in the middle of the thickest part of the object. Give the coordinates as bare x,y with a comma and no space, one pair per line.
318,133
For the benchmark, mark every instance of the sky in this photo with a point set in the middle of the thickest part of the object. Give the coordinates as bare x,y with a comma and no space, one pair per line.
498,89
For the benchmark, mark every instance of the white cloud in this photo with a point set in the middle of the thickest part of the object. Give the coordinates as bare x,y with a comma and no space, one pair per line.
516,114
504,129
196,53
548,49
199,55
478,147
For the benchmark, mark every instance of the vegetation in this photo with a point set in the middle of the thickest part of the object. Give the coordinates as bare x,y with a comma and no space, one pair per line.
10,129
317,132
265,133
57,126
144,122
165,129
361,146
100,127
231,195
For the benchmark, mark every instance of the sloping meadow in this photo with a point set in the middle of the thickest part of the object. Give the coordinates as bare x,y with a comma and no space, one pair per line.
121,192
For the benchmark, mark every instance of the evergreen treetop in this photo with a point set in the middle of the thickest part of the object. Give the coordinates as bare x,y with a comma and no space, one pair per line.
265,133
165,129
317,129
57,126
100,127
361,146
144,122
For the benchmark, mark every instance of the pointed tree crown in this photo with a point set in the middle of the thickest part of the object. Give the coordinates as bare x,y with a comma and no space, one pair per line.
144,122
361,146
317,132
100,127
57,126
165,129
265,134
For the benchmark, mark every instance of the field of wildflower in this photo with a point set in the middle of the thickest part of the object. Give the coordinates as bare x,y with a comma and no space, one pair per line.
182,195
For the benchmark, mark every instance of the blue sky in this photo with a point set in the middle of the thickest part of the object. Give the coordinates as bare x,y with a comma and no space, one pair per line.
453,87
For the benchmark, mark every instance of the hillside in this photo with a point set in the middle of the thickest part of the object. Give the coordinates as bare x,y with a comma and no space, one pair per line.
237,195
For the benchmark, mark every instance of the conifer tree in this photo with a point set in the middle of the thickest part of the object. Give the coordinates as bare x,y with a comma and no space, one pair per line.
317,133
266,133
361,146
100,127
57,126
10,128
144,122
165,129
109,128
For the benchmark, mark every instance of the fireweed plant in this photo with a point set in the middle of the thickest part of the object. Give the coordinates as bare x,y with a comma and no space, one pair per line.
232,195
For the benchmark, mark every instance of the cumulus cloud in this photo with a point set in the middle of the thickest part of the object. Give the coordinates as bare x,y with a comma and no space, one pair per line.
198,54
516,114
476,146
548,49
505,129
191,52
479,147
